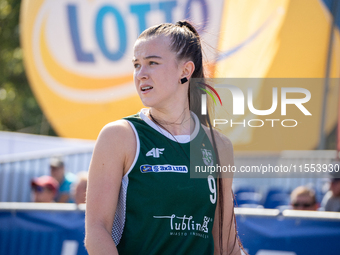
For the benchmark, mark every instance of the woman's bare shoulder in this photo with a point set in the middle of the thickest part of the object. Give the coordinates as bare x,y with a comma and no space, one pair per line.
116,129
116,140
116,133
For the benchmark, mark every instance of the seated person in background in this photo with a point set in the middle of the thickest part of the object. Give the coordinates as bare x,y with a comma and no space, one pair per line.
79,188
331,201
65,180
44,189
303,198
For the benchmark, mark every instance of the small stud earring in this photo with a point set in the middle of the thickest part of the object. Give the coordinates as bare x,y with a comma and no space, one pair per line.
184,80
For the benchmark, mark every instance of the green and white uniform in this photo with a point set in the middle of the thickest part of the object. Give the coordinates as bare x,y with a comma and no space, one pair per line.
161,210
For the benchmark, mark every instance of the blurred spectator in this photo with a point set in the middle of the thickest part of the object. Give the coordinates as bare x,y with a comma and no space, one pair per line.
44,189
303,198
65,180
331,201
79,188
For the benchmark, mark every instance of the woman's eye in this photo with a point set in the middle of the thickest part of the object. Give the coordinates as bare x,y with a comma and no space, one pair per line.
153,63
136,65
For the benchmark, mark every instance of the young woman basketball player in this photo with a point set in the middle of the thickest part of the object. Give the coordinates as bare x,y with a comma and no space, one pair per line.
140,197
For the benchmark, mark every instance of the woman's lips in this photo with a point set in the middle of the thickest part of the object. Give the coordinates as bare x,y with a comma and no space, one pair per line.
146,88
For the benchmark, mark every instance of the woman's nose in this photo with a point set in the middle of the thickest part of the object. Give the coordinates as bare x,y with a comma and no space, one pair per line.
142,73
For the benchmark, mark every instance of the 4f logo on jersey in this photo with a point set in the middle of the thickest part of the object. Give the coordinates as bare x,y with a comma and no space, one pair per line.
155,152
207,157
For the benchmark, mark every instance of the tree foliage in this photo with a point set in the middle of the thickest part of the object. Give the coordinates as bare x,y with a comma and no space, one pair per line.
19,111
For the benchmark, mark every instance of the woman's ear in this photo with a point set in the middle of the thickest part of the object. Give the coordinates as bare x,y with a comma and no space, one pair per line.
187,69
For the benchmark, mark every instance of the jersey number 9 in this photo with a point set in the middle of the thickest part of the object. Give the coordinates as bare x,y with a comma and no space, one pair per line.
212,187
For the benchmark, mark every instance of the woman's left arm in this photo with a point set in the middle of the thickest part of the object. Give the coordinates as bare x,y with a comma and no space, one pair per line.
229,234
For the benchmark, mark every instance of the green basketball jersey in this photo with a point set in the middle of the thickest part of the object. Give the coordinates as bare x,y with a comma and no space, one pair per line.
161,210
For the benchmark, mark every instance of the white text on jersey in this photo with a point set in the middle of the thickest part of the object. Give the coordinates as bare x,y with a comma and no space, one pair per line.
155,152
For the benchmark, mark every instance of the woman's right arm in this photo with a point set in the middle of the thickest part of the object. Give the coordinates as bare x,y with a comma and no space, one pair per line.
112,157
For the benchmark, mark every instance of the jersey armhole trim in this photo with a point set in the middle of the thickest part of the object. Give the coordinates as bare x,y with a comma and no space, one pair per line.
137,149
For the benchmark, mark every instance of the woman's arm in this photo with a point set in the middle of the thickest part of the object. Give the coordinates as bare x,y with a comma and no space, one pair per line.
226,156
112,157
230,241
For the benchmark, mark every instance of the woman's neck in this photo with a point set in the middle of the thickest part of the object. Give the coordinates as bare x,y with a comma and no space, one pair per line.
175,122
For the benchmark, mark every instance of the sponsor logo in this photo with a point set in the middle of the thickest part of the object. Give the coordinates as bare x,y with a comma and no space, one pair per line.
186,225
207,157
155,152
163,168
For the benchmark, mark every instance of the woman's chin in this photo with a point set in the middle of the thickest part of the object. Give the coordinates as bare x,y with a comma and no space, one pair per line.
149,102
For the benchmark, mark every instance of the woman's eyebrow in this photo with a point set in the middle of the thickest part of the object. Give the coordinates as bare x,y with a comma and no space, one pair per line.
148,57
152,56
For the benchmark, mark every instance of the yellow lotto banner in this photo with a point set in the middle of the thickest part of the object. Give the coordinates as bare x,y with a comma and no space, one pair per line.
78,56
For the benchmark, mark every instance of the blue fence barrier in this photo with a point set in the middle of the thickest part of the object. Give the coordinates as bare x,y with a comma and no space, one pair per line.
42,233
264,232
289,236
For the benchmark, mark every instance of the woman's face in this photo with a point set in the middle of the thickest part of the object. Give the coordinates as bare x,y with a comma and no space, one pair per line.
157,73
